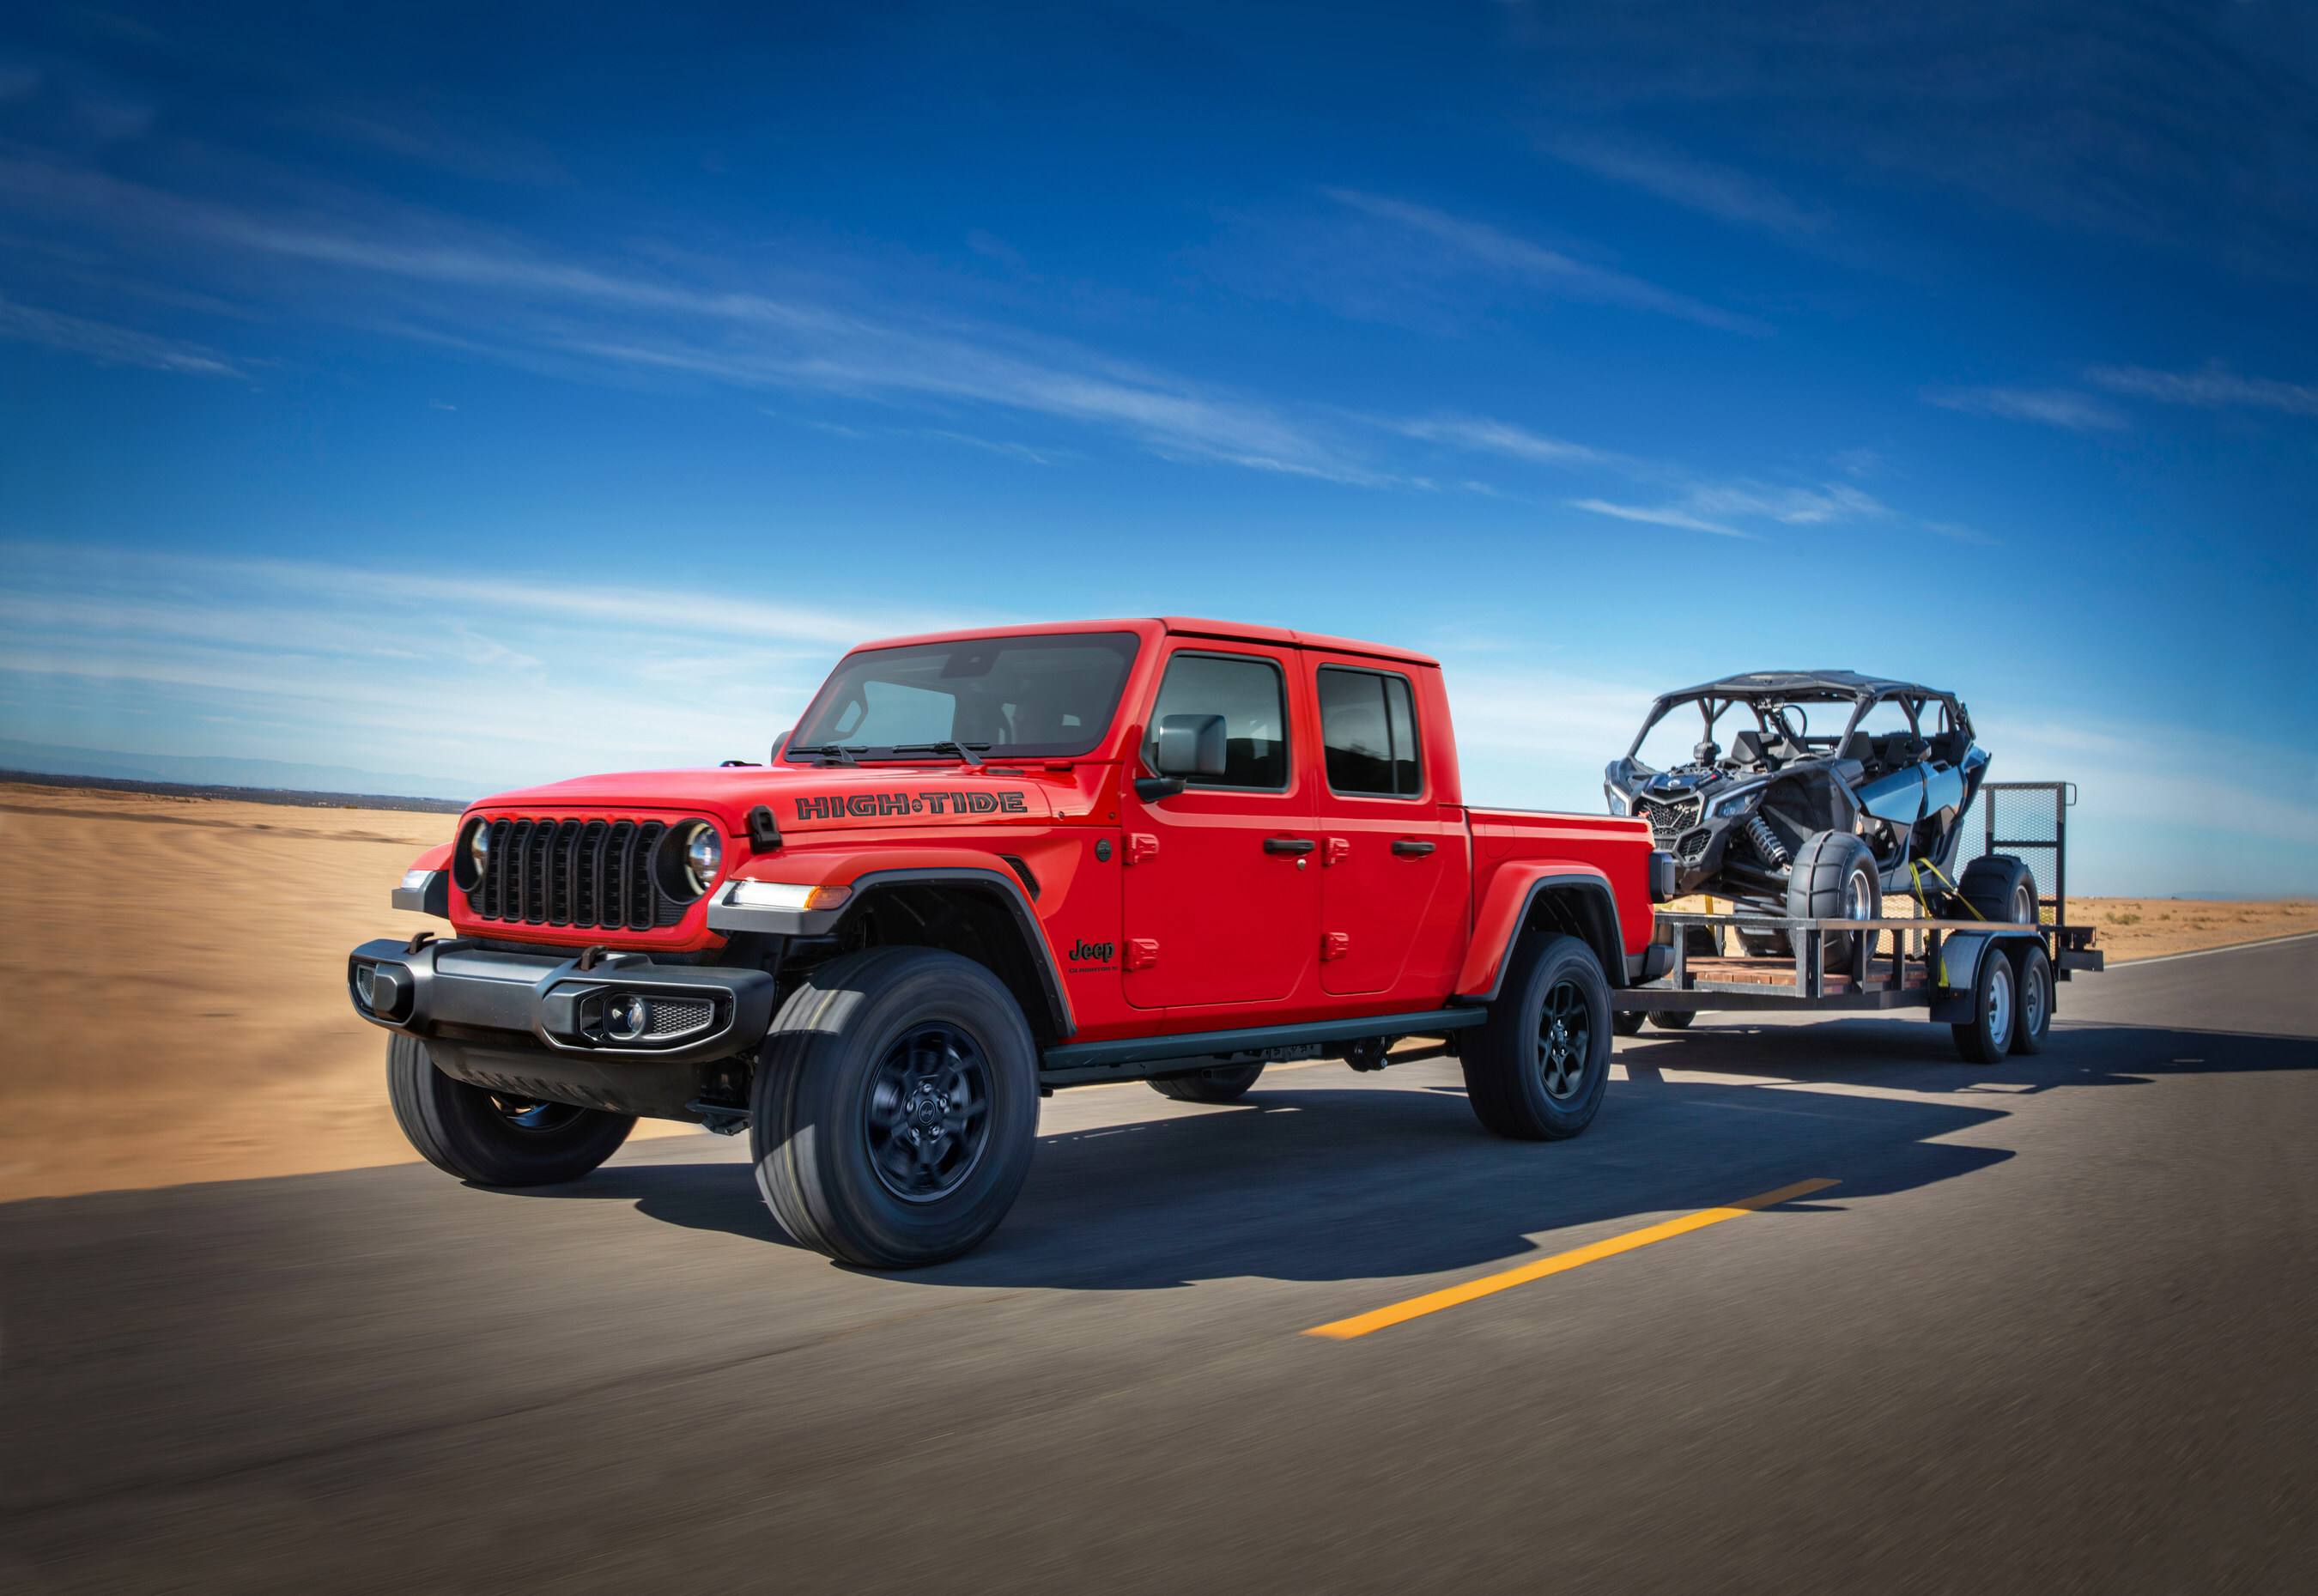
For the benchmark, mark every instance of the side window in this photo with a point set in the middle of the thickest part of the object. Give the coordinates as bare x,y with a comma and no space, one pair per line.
1250,696
1368,724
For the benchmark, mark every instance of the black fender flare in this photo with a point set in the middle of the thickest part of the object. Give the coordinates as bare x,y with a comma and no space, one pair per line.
1598,919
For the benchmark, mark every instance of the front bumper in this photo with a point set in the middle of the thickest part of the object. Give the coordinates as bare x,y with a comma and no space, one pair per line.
459,992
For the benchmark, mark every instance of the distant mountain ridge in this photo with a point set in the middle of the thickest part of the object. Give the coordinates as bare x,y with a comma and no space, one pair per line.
216,771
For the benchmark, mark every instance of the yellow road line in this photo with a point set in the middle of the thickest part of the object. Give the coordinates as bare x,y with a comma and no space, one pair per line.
1433,1302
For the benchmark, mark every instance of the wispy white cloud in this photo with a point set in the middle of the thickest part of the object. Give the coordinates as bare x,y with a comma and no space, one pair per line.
1507,256
1706,186
1655,515
2050,406
1502,437
2213,389
112,345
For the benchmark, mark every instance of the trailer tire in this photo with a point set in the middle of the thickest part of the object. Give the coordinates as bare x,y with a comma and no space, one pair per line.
1998,887
1987,1037
2032,985
489,1139
896,1107
1673,1019
1537,1069
1215,1083
1628,1022
1834,878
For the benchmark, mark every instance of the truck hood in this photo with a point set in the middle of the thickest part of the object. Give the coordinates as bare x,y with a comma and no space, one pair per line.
802,798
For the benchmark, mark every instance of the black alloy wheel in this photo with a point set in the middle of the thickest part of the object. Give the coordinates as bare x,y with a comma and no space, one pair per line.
1537,1069
895,1108
491,1138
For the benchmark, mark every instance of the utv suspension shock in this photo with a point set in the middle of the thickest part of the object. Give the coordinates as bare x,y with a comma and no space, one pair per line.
1766,843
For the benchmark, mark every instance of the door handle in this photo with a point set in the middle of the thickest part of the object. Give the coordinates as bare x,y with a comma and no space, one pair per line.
1289,845
1408,848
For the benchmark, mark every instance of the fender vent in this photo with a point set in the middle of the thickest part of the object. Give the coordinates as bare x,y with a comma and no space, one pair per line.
550,872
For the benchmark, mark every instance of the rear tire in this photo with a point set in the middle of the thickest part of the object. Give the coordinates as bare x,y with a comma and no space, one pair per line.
1673,1019
896,1107
1998,887
1217,1083
1835,878
2032,985
1537,1069
491,1140
1987,1037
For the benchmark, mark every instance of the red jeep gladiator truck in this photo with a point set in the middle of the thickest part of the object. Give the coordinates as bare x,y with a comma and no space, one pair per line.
987,865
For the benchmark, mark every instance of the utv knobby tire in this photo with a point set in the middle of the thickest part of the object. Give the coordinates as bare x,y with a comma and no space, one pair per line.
1523,1080
2031,993
1987,1037
895,1108
1216,1083
1998,887
489,1139
1834,878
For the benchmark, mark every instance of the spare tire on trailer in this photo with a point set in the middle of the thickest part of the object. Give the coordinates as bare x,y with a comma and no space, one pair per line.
1998,887
1835,878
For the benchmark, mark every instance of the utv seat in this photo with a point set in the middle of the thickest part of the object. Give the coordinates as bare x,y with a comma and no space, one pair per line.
1747,752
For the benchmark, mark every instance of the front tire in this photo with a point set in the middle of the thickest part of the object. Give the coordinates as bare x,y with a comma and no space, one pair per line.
895,1108
1835,878
1987,1036
489,1139
1537,1069
1217,1083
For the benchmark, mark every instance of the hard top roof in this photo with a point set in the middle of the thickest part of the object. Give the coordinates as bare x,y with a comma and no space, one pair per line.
1803,684
1175,625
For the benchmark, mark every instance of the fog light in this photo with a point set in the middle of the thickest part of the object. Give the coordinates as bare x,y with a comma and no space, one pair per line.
625,1017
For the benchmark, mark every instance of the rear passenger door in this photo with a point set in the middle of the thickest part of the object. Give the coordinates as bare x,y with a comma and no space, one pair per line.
1389,858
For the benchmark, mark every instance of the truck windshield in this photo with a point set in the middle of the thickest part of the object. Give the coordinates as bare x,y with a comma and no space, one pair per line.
1006,697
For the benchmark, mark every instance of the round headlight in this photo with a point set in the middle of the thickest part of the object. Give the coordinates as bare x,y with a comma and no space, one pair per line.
475,852
703,853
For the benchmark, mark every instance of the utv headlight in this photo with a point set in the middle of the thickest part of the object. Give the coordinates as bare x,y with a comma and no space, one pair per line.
1737,803
703,855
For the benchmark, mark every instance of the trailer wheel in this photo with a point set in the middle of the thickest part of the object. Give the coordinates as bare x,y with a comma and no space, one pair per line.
1673,1019
2032,979
1537,1069
1628,1022
490,1139
895,1108
1985,1038
1217,1083
1834,878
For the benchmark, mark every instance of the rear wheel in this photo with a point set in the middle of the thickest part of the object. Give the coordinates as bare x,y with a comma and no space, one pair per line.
2032,979
488,1138
895,1108
1217,1083
1834,878
1987,1036
1537,1069
1998,887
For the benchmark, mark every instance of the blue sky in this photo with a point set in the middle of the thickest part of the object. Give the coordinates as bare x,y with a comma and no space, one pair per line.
499,393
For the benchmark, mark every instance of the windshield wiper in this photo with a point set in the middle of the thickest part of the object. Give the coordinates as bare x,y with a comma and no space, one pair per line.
836,754
962,752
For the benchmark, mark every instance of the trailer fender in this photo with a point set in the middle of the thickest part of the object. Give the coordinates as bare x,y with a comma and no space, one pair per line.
1573,896
1961,953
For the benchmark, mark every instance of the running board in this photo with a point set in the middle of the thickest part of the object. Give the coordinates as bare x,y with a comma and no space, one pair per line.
1135,1058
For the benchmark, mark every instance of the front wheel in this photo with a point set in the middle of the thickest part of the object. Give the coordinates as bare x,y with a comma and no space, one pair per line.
1835,878
489,1138
1537,1069
895,1108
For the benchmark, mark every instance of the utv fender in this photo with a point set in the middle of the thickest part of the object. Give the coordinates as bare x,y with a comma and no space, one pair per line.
979,911
1557,895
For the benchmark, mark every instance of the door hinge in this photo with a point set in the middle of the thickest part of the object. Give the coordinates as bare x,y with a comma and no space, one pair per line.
1339,849
1335,945
1142,848
1142,953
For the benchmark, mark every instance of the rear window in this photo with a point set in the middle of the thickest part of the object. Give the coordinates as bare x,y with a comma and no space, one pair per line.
1368,724
1007,697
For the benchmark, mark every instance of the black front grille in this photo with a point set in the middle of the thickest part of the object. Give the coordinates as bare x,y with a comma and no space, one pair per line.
1668,820
574,872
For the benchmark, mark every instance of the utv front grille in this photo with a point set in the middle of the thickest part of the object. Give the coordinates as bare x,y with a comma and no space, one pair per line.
1694,846
550,872
1668,820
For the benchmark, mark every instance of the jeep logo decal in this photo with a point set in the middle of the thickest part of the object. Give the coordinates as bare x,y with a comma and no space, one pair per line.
870,806
1084,952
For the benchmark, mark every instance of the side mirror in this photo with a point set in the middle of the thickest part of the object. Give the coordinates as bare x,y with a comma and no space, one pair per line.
1188,745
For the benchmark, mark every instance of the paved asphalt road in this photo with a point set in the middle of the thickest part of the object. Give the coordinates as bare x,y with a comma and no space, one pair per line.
2054,1331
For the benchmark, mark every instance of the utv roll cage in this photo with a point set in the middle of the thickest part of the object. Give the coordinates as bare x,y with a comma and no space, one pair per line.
1768,694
